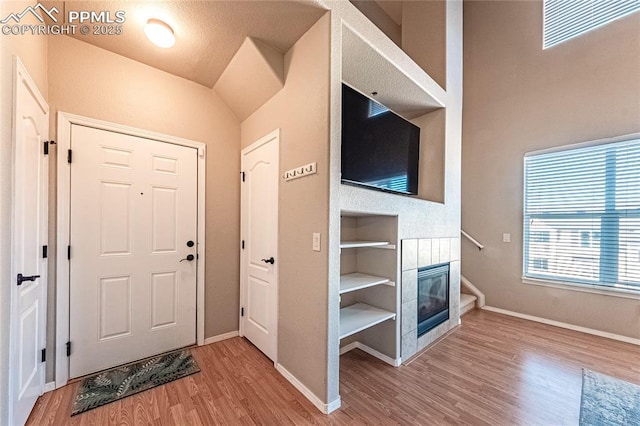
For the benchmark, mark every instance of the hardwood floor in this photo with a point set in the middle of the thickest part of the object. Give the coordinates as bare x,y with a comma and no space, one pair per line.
492,370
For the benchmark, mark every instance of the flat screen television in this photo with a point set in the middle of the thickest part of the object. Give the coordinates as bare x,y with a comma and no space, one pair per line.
380,149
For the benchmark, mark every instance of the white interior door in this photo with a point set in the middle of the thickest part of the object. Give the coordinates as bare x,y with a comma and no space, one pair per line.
29,235
132,248
259,258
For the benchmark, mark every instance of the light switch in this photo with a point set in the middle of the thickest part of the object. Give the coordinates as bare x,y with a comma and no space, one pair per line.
506,238
316,241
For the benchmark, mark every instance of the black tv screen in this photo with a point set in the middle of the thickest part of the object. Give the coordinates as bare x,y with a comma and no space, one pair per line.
379,148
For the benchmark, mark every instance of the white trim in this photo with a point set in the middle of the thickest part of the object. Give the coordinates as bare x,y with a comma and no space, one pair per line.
48,387
221,337
585,288
65,120
333,405
374,353
324,408
255,145
629,137
560,324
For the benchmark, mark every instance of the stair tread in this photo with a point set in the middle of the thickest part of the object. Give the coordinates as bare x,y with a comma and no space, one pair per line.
466,299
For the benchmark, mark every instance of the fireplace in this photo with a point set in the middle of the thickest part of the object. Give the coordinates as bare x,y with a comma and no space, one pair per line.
433,297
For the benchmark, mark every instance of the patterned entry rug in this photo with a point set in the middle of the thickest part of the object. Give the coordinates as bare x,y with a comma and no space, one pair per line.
117,383
607,401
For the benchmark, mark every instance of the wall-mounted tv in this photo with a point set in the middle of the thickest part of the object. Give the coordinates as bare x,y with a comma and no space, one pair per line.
380,149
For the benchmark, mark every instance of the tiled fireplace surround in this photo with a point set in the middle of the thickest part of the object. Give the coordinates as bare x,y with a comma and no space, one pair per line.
420,253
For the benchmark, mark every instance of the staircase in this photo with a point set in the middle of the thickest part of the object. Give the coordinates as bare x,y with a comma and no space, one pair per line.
470,296
467,303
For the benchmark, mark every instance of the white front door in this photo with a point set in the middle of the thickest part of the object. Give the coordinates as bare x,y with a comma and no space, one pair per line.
259,258
132,248
29,236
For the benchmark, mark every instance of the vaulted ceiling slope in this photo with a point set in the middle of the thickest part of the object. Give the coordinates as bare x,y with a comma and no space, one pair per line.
208,33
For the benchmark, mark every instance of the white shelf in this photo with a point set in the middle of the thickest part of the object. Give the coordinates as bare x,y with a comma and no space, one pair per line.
361,316
359,244
358,281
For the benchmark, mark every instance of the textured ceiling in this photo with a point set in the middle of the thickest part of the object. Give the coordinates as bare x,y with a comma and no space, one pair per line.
208,33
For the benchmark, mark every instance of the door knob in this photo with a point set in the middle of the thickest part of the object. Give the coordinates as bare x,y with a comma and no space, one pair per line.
270,260
22,278
190,243
189,257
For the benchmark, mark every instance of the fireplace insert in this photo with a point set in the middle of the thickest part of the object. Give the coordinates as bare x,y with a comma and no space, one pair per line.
433,297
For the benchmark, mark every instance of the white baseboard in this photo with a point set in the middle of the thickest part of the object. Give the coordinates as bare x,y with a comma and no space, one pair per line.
333,405
382,357
48,387
581,329
220,337
324,408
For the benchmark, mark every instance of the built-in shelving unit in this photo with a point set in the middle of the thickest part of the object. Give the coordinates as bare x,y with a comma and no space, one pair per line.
358,281
368,296
362,244
360,316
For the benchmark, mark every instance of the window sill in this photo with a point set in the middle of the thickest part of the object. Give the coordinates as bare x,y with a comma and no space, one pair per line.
585,288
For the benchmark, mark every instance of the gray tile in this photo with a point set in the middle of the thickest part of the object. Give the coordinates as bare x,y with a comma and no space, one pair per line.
409,345
454,291
409,316
435,251
424,252
455,249
445,249
409,285
409,254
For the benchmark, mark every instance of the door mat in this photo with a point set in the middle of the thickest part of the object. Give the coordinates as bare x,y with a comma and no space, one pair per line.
607,401
120,382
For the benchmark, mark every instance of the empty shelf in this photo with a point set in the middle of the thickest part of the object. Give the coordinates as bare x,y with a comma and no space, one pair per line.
357,244
361,316
358,281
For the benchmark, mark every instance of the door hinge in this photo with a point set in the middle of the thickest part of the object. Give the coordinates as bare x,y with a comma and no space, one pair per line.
43,355
242,176
68,348
46,147
45,252
68,252
69,156
241,312
242,245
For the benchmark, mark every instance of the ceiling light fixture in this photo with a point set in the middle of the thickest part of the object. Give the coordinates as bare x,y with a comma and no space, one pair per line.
160,33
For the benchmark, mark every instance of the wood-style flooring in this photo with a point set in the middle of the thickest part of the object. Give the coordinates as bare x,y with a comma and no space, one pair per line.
492,370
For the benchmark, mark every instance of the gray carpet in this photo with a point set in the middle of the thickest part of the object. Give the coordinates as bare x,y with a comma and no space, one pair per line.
607,401
120,382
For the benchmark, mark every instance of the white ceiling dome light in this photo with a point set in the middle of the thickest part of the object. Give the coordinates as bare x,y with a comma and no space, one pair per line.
160,33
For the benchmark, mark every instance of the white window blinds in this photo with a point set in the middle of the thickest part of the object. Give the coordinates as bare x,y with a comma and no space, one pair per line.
582,215
565,19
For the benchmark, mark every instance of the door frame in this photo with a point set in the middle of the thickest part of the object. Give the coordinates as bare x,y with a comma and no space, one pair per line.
20,73
65,121
275,135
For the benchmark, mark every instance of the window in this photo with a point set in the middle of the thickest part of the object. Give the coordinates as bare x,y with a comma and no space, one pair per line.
566,19
582,214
